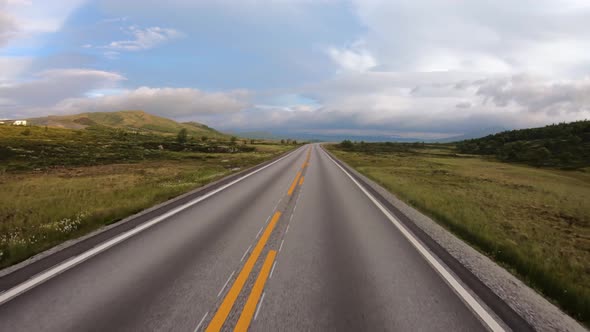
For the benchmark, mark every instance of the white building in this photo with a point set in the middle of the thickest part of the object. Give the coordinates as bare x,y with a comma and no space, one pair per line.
20,123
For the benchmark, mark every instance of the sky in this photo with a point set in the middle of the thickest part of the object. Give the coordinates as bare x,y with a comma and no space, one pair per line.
423,69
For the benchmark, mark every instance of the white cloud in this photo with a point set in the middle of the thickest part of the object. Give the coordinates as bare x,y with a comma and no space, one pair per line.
8,23
144,39
422,103
12,66
51,86
352,59
537,95
171,102
62,91
542,36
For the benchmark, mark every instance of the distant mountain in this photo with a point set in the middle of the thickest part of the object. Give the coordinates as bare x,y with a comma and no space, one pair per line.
558,145
331,137
472,135
316,137
127,120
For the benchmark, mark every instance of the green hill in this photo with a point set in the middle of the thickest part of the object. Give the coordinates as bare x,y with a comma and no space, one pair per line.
564,145
136,121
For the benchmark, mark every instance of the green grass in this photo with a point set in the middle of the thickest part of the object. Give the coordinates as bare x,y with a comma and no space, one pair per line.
534,221
59,184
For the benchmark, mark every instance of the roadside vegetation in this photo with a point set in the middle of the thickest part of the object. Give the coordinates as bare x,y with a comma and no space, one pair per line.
535,221
59,184
565,145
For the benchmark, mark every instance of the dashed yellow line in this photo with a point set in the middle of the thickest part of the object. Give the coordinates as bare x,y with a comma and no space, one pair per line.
294,184
228,302
301,181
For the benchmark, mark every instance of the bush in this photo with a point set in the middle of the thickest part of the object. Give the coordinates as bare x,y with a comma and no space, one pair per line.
182,136
346,144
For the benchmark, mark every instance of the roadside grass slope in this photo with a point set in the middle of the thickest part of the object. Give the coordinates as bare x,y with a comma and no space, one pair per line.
58,184
534,221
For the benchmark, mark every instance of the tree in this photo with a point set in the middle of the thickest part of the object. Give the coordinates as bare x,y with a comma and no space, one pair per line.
346,144
204,138
233,140
282,141
182,136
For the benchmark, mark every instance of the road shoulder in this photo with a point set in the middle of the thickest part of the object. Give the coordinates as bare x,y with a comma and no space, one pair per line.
535,309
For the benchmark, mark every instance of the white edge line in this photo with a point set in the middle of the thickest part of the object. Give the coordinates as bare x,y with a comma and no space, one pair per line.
224,285
450,280
291,217
281,246
52,272
245,253
259,305
272,270
287,230
201,322
267,219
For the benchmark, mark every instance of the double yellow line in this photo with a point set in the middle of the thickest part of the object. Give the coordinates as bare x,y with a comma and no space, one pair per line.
232,295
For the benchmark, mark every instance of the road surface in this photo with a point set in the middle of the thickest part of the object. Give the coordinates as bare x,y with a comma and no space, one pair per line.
295,246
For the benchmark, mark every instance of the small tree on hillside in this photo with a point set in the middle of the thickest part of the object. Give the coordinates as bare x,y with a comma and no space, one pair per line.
233,140
182,136
204,138
346,144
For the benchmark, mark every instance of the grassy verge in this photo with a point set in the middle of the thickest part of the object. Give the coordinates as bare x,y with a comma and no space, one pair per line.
47,197
534,221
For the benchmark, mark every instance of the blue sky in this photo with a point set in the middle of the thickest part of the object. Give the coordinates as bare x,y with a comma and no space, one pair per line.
409,68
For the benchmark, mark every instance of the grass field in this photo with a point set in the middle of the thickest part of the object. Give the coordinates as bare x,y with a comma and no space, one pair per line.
50,192
534,221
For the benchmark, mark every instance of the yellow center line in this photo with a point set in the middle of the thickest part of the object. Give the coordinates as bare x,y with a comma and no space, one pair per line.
230,298
248,312
228,302
292,188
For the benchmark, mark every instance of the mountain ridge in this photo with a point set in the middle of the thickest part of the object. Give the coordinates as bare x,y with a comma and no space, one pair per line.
132,120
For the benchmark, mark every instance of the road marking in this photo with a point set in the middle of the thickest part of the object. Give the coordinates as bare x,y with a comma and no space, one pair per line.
267,219
271,272
294,184
250,307
287,230
291,217
301,181
260,304
201,322
281,246
224,285
230,298
61,267
245,253
492,324
260,231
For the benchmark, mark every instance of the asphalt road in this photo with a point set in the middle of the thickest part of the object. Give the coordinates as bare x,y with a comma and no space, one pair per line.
296,246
